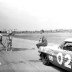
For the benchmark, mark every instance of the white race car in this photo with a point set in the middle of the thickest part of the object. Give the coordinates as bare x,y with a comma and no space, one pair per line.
59,55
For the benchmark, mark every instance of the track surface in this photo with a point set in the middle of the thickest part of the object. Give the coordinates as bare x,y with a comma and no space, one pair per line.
24,58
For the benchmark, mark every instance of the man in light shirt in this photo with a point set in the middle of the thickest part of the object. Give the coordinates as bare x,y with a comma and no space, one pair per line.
43,42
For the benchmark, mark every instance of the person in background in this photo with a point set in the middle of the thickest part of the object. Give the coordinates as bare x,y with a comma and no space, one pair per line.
10,33
1,40
43,42
10,41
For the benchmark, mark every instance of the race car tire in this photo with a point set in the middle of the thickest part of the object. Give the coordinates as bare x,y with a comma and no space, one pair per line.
45,60
41,56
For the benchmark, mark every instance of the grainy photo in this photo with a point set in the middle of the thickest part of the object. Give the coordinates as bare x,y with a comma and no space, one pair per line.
35,35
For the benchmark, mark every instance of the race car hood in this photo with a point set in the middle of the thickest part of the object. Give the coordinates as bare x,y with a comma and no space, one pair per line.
48,47
53,46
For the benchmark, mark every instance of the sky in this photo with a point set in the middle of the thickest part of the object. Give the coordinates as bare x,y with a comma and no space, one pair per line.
35,14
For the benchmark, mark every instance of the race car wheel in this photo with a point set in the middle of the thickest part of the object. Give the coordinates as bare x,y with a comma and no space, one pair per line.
45,60
41,56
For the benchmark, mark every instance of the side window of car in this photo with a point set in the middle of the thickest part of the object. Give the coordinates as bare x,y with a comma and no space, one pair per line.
68,47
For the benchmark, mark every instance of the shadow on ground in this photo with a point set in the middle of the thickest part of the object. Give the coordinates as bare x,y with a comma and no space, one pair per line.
21,49
18,49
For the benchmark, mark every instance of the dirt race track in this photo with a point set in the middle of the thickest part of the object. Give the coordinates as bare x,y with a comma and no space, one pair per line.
23,58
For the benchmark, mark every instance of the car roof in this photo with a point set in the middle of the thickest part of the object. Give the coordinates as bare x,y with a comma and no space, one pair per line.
68,40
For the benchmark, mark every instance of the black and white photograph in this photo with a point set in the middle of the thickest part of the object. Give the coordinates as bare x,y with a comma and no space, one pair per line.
35,35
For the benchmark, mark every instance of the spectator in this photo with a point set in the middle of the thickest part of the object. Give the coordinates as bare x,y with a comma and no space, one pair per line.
9,41
1,40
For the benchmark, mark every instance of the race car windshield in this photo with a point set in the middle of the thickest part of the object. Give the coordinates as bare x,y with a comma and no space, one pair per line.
68,46
62,45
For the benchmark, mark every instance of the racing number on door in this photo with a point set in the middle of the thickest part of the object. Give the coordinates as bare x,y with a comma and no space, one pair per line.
60,59
68,61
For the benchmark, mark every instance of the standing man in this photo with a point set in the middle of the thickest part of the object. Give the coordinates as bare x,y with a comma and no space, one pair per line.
9,45
1,40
